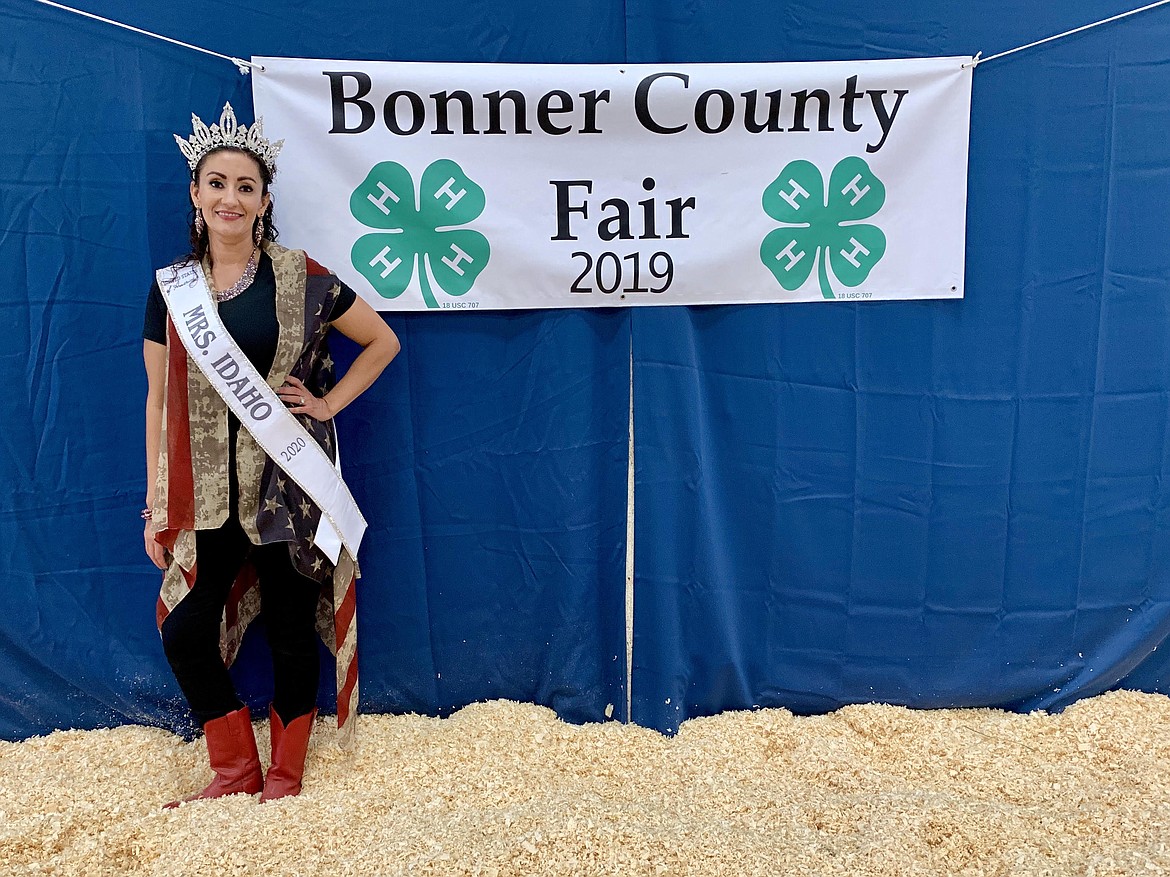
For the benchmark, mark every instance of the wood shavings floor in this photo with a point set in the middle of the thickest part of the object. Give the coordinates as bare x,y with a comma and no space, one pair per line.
507,789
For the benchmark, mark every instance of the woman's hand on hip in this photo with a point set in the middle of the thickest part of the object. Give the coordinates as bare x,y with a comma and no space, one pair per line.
300,400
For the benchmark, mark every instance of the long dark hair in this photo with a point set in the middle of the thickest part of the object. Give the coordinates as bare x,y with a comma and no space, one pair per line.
199,241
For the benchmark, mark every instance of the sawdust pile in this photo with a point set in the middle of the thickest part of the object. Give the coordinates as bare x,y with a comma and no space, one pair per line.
507,789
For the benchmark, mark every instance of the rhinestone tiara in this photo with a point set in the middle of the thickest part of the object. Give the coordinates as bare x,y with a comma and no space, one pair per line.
229,133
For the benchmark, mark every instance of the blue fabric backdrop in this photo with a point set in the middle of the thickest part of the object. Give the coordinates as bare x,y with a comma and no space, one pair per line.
934,503
490,458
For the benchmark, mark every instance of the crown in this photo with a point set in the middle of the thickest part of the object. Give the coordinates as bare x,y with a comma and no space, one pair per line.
229,133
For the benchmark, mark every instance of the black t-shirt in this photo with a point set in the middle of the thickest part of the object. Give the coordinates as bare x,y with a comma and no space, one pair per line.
250,317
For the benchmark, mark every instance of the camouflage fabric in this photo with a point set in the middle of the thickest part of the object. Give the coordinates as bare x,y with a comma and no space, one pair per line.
192,488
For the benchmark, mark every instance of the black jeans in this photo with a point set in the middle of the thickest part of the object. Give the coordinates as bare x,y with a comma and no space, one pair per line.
288,600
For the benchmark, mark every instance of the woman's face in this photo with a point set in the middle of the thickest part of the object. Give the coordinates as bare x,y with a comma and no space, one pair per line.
229,191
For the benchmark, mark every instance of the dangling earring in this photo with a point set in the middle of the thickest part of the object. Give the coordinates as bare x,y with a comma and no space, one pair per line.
258,235
199,222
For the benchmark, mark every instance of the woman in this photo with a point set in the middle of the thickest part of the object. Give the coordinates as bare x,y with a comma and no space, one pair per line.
236,533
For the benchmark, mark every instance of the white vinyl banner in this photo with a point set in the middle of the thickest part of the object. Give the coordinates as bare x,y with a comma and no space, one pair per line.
493,186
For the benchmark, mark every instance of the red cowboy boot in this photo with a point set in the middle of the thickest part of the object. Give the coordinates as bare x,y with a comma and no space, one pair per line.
231,749
289,745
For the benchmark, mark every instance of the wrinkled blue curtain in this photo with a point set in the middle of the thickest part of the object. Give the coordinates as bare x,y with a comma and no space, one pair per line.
930,503
490,458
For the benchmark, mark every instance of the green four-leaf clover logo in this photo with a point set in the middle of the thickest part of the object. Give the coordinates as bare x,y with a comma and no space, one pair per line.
823,230
419,232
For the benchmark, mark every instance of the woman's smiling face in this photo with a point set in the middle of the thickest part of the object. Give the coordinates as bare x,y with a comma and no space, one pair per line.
230,191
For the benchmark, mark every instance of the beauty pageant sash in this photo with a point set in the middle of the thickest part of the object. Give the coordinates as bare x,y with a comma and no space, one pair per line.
277,431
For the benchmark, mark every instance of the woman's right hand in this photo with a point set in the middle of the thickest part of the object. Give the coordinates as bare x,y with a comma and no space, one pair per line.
154,551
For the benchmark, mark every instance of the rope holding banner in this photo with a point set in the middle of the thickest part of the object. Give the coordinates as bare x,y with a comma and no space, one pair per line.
245,67
977,60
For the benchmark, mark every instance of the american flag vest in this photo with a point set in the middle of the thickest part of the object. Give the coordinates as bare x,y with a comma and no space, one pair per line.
192,486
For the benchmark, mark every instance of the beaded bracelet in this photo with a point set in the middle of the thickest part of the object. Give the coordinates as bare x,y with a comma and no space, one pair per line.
147,514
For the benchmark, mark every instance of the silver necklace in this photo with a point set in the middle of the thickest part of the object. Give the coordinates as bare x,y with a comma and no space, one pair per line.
222,295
